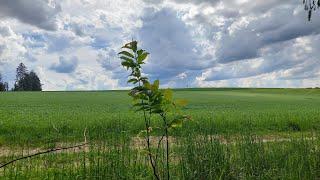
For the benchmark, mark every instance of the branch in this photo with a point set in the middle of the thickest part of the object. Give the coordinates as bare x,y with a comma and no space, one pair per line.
158,147
39,153
48,151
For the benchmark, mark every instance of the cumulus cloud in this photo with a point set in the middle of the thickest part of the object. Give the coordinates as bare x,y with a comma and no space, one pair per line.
78,29
40,13
11,44
258,39
292,62
109,61
57,43
108,58
86,78
168,39
5,31
244,40
65,65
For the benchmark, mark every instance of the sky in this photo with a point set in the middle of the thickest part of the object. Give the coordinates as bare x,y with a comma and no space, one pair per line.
73,44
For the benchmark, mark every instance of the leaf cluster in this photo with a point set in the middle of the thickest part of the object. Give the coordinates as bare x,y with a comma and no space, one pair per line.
132,59
147,96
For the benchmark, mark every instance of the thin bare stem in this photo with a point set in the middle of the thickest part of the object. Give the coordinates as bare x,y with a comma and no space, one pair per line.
48,151
167,145
149,146
158,146
39,153
147,124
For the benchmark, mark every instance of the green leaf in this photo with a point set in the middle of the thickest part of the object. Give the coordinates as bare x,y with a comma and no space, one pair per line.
181,102
157,111
126,64
168,94
133,80
176,123
138,88
126,59
142,108
144,80
128,46
142,57
126,53
142,133
147,85
141,104
155,85
131,45
136,73
139,52
134,45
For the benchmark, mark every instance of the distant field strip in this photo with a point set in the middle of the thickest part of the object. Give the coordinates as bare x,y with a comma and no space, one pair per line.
234,134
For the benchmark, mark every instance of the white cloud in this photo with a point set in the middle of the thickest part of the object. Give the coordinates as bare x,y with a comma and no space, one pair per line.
192,43
65,65
39,13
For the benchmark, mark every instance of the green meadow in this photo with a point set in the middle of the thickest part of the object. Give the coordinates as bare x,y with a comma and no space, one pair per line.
233,134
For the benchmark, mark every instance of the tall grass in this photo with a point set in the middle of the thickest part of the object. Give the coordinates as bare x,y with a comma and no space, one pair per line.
194,157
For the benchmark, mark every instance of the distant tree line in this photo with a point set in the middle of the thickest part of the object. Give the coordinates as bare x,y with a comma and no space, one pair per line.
25,80
3,85
310,6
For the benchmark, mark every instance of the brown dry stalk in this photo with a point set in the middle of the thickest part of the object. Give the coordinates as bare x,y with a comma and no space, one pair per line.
48,151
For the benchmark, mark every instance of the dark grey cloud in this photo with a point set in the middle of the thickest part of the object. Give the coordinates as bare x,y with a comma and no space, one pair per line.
247,27
65,65
281,24
290,60
34,12
263,37
169,40
173,52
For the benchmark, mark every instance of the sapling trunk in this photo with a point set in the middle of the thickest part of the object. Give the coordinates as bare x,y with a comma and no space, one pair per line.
152,162
151,100
147,124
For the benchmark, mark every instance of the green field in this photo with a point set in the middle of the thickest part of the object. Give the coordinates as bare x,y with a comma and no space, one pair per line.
226,138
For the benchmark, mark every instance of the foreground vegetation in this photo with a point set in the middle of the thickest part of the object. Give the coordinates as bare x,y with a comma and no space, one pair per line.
234,133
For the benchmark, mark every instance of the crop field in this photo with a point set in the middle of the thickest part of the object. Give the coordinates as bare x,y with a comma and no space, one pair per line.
233,134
